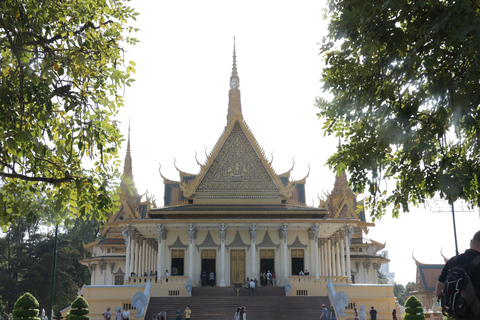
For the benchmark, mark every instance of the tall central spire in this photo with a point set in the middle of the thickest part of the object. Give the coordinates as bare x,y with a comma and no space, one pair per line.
234,103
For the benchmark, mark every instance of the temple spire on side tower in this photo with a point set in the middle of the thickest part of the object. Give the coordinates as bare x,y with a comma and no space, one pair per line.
234,103
127,168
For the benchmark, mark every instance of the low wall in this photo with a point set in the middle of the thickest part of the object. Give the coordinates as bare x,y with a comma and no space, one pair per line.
309,286
101,297
379,296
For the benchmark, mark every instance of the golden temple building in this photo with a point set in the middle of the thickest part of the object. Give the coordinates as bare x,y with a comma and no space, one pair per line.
235,218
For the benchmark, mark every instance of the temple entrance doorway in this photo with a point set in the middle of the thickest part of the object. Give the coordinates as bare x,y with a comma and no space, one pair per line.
208,264
237,266
297,261
267,261
178,257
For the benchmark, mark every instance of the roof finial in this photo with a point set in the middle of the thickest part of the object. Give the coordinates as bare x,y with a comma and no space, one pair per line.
234,80
234,104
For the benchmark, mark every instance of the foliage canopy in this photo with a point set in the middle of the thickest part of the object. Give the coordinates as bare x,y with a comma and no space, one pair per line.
62,67
406,99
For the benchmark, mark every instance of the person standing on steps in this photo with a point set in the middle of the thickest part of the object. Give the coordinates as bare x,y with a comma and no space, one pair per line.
178,314
252,288
187,313
211,278
373,314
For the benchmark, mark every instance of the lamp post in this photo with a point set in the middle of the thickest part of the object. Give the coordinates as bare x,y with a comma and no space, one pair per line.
54,267
454,229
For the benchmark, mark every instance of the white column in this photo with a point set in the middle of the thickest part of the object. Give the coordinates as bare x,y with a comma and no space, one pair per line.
253,232
137,254
348,237
147,256
315,240
132,252
326,258
285,265
142,258
329,257
159,251
223,232
337,250
342,251
103,272
93,267
191,232
332,251
320,248
154,256
126,232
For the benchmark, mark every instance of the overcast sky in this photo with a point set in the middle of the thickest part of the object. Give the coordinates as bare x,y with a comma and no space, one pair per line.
178,105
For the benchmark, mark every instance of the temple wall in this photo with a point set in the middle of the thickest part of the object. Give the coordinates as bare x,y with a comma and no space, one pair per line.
379,296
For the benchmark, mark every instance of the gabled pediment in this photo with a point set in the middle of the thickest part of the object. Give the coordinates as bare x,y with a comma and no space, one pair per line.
237,168
237,172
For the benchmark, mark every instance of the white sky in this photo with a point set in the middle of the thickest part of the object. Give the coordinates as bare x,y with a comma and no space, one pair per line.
178,105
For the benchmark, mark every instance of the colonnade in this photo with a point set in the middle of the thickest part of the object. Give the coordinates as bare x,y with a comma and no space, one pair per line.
331,256
141,253
335,254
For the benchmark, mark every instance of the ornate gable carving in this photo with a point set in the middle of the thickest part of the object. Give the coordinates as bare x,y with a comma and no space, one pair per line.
208,242
267,242
237,167
238,242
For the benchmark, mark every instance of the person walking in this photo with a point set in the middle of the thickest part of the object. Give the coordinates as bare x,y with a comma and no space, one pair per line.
394,314
252,288
187,312
236,316
355,314
464,260
373,314
332,315
324,314
243,314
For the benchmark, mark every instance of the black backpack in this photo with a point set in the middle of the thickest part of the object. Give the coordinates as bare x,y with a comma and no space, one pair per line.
459,299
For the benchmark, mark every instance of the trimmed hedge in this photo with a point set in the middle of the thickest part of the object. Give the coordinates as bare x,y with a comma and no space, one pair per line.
79,310
26,308
413,309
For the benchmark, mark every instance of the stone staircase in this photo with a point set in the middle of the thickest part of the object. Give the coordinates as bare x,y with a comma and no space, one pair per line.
212,303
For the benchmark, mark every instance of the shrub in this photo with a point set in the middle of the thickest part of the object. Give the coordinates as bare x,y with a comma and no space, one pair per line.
413,309
79,310
26,308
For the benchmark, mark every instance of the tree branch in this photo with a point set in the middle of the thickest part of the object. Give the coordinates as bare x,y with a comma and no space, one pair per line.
38,179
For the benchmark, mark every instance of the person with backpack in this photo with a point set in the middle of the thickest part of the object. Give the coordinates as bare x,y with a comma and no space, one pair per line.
107,315
458,285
